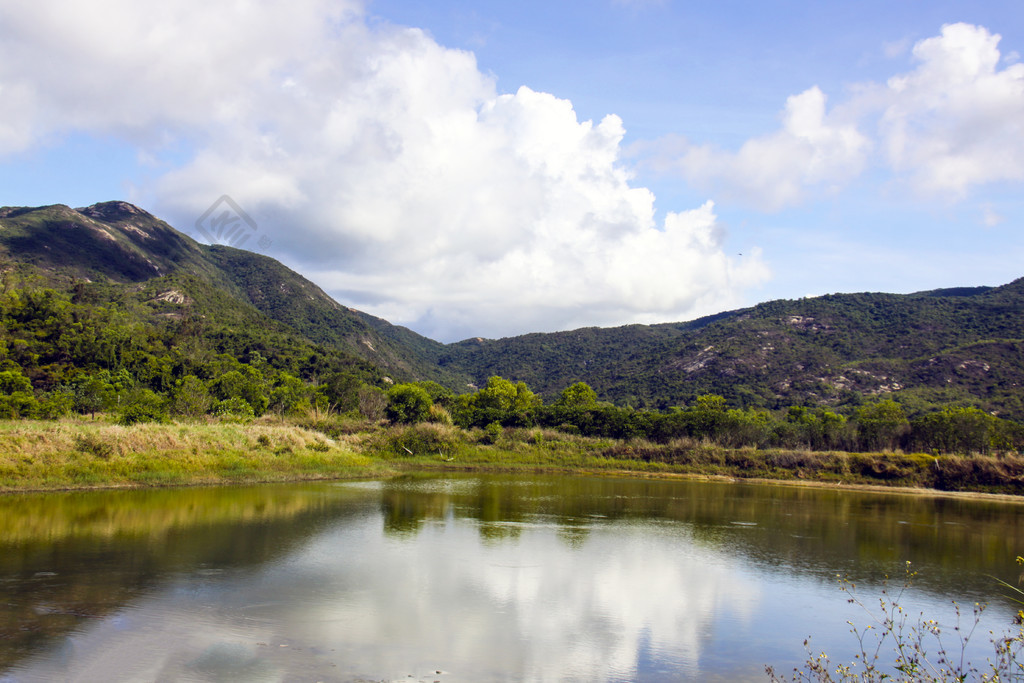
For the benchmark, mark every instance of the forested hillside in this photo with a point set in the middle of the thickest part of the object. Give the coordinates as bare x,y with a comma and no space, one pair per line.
112,289
963,347
118,251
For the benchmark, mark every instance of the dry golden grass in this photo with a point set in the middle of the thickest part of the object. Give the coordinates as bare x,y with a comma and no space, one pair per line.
77,453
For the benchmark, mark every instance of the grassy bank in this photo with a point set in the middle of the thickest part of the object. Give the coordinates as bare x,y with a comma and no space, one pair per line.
82,453
44,455
429,446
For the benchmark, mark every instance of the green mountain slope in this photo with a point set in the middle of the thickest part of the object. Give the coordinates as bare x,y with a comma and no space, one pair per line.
287,297
962,346
111,241
114,248
955,346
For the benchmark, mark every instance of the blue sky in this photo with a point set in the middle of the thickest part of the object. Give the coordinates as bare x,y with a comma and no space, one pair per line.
487,169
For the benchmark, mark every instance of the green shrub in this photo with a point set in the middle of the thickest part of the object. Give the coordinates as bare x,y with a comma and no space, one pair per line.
408,404
55,404
492,432
142,405
234,409
190,397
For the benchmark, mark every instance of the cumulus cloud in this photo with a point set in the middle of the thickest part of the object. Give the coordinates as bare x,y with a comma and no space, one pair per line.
957,120
148,72
383,164
813,149
953,122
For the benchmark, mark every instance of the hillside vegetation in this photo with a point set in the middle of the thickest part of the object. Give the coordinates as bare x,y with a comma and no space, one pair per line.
926,350
115,253
108,311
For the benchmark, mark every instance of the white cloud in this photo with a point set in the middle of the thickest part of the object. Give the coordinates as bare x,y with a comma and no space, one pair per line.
146,72
954,122
380,162
957,120
896,48
990,218
814,148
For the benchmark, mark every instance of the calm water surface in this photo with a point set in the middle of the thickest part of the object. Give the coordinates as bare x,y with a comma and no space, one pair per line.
474,578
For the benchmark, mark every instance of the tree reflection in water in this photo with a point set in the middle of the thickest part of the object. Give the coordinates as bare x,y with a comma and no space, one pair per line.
478,577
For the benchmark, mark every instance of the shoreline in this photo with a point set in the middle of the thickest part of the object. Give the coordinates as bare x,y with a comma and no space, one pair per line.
552,471
86,455
725,479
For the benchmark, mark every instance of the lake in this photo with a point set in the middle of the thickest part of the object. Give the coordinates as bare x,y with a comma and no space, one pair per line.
478,578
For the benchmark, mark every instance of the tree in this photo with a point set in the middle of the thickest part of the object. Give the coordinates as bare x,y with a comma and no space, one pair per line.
881,425
707,416
342,390
190,397
100,390
16,397
56,403
142,405
289,395
373,402
233,408
833,429
577,396
816,429
745,428
440,395
246,383
956,430
408,403
512,405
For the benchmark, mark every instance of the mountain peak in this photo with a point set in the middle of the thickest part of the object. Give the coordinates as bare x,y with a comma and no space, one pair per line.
114,240
112,211
15,211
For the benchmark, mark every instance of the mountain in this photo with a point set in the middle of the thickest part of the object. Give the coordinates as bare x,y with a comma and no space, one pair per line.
112,241
961,346
122,246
